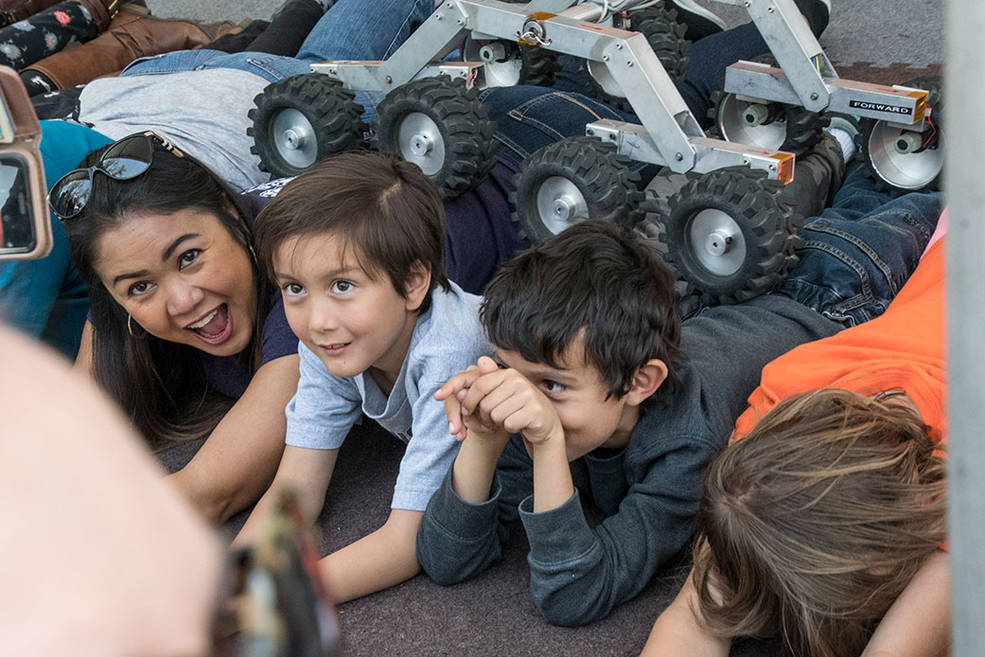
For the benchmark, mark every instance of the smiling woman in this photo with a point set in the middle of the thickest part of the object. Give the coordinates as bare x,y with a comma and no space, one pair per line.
184,330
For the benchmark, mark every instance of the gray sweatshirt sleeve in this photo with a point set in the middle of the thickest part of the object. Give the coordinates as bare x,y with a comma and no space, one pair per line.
578,574
457,540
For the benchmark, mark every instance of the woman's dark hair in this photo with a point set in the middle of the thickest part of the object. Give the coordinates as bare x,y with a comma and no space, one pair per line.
161,385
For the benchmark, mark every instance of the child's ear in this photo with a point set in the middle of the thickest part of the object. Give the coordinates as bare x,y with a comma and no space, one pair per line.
648,378
416,285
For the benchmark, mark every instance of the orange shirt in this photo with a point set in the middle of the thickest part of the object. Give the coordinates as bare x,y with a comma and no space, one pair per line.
903,349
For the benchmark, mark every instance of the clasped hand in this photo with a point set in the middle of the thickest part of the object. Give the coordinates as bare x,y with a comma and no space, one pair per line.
485,400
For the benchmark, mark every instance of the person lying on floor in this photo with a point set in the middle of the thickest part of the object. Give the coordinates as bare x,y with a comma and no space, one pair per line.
355,246
185,333
592,364
46,298
223,147
825,517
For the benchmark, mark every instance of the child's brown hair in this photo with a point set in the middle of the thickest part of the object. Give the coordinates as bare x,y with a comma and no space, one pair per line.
385,207
814,523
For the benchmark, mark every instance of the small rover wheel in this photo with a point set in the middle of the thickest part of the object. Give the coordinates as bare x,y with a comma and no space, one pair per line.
904,161
440,126
666,37
573,180
302,119
729,234
770,126
508,64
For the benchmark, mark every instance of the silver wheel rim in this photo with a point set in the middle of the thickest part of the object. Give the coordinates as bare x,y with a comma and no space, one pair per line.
717,242
295,139
419,141
560,204
505,73
733,126
902,170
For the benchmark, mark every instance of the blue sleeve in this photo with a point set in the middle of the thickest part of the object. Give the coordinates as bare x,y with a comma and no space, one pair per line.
324,407
277,339
64,144
46,297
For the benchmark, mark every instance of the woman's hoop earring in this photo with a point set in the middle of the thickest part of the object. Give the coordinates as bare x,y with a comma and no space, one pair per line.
130,328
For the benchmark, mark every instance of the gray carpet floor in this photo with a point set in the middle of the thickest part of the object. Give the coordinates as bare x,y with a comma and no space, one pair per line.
873,40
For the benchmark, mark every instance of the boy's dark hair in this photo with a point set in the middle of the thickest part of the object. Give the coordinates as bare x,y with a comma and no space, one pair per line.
385,207
597,280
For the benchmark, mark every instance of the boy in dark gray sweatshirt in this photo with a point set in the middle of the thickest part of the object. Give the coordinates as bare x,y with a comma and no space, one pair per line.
592,363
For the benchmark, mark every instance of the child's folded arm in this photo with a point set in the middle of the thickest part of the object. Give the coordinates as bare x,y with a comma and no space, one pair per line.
578,574
388,556
304,473
677,630
377,561
918,624
319,416
458,540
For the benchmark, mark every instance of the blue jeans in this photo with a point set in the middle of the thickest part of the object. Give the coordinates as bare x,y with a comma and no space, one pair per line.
860,251
346,31
528,118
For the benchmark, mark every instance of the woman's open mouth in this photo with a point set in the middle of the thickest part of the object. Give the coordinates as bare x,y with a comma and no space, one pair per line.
214,327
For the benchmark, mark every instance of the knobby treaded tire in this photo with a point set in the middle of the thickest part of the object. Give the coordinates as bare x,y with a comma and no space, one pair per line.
467,132
936,101
324,102
804,128
768,225
540,67
650,231
603,176
666,37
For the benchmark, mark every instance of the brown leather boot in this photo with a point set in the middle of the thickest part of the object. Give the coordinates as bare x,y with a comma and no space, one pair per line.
130,35
102,11
12,11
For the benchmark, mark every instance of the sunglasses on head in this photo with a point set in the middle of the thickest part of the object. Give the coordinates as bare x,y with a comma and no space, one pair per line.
122,160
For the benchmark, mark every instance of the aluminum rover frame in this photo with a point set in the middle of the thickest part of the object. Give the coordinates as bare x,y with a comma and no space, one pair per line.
670,134
622,62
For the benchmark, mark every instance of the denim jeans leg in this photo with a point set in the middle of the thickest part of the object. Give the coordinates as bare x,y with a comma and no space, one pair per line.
350,30
177,61
528,118
854,260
